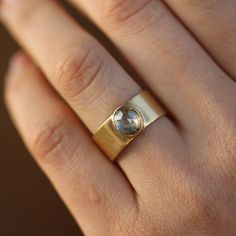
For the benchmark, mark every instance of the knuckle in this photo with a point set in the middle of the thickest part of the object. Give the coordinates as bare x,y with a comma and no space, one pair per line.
76,73
120,12
49,139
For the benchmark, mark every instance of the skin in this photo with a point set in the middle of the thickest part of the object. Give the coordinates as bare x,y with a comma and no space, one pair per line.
178,177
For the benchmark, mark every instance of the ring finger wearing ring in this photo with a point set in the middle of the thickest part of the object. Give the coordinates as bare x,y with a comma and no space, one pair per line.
78,67
91,82
127,122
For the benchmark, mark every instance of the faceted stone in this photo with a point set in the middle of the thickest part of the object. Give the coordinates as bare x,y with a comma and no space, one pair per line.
127,120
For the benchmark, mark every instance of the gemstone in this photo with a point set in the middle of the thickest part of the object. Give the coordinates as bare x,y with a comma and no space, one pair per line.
127,120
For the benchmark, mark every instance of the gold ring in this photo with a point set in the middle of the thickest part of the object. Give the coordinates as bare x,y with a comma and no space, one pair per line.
126,123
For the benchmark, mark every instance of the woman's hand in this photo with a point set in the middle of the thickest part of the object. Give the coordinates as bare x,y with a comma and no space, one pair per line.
179,176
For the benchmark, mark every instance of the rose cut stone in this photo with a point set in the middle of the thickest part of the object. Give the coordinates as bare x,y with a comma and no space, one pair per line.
127,120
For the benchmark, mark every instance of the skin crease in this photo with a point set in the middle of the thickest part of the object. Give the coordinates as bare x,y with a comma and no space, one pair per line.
178,177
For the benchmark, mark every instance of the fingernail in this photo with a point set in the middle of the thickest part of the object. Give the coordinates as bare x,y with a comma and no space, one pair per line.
15,69
17,62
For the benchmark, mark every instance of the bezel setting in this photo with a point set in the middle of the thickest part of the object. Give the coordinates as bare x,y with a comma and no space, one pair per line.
125,131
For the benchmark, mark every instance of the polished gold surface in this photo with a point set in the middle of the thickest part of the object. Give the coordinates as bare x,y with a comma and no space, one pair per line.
112,141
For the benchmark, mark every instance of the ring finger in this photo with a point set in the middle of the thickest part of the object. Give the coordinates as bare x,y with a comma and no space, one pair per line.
77,66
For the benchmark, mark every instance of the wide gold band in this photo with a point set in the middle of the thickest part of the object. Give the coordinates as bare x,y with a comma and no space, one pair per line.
111,140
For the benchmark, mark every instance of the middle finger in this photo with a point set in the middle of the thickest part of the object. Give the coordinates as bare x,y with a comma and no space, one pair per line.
167,57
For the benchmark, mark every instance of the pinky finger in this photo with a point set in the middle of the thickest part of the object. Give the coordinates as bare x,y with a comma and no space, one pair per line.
84,178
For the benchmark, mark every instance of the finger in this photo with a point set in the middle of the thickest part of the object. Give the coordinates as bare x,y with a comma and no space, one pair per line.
84,178
167,57
79,68
213,23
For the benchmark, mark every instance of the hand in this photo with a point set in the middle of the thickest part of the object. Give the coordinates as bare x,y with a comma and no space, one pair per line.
179,176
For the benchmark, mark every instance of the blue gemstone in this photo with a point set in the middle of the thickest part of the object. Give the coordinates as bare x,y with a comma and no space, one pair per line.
127,120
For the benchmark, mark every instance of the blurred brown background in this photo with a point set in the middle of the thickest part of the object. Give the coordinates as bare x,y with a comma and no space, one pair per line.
28,204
